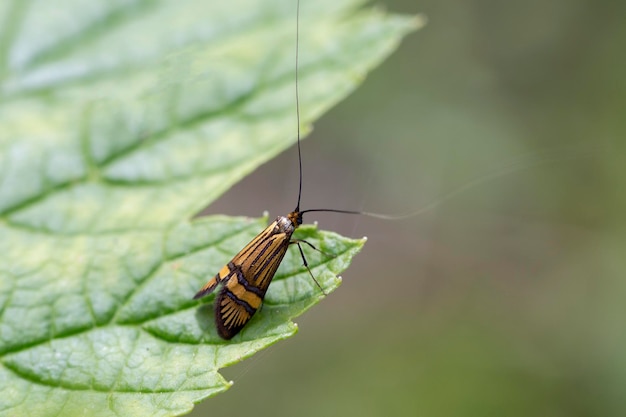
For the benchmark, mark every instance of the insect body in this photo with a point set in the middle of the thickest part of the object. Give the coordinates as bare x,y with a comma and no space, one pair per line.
248,275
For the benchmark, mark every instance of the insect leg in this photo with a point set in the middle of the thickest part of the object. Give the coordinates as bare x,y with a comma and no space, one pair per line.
328,255
305,263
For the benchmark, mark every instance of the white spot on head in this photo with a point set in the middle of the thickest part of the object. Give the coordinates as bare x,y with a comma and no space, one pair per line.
284,224
265,213
364,238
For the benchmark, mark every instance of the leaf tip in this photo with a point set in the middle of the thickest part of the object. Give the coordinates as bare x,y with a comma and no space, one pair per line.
419,21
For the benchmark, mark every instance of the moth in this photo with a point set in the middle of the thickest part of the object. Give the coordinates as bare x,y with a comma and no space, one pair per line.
248,275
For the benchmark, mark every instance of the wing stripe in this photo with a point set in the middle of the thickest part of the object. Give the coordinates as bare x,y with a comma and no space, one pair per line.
241,279
238,301
260,260
270,244
253,245
267,271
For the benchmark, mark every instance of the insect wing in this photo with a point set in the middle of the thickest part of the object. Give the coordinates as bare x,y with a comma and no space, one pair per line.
260,259
208,288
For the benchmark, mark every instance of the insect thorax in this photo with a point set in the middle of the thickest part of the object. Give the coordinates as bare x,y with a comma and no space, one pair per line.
285,224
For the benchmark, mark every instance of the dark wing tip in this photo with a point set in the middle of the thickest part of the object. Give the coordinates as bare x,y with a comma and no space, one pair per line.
200,294
227,333
207,289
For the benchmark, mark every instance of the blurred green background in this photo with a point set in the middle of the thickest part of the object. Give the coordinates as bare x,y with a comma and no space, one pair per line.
505,300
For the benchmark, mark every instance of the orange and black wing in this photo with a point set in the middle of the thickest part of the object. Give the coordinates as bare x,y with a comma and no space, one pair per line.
246,279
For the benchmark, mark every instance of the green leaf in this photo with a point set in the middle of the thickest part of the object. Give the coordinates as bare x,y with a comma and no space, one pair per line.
119,121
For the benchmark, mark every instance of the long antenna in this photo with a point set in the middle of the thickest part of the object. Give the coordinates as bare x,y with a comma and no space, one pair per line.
536,159
298,104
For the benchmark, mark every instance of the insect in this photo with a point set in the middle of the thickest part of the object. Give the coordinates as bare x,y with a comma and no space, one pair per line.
248,275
